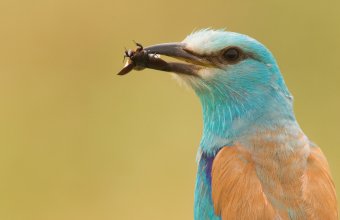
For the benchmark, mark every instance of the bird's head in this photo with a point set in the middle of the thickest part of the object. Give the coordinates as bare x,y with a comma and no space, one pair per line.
235,76
225,67
221,62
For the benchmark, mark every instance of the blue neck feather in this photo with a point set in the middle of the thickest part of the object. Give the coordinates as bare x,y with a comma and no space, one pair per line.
235,107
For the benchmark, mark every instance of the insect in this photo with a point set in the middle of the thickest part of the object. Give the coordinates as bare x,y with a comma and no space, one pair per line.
137,59
142,58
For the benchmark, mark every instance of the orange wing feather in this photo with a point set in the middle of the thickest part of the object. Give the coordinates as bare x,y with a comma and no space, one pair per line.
238,193
319,190
236,190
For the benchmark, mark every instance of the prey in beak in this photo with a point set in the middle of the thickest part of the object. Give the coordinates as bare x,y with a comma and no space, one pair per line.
149,57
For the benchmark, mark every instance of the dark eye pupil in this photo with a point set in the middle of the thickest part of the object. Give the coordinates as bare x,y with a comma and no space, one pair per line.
231,54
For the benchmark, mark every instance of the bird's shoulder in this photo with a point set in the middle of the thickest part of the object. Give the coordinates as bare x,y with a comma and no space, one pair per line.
318,188
239,193
236,190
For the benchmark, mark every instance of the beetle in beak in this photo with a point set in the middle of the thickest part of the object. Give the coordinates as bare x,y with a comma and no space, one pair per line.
149,57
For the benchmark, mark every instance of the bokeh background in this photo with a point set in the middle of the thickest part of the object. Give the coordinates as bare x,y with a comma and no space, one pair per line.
79,142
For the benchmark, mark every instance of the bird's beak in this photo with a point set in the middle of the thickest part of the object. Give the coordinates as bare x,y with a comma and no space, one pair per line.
175,50
192,63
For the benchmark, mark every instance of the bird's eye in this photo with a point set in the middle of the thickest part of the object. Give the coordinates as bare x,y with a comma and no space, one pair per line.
232,54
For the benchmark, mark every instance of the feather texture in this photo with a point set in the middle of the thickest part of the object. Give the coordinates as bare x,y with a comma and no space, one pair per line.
239,193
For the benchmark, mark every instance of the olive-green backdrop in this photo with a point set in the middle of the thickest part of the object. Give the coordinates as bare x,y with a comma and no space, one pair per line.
79,142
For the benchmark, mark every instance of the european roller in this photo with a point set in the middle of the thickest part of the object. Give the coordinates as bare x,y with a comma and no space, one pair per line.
254,160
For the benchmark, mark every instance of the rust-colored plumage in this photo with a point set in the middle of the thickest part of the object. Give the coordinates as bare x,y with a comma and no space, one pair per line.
319,190
236,191
239,191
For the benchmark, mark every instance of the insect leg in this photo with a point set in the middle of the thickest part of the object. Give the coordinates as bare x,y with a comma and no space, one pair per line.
140,46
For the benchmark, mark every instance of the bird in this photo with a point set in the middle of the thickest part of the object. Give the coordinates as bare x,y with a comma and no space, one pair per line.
254,160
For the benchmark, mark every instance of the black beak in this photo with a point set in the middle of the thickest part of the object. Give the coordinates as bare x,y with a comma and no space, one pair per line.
175,50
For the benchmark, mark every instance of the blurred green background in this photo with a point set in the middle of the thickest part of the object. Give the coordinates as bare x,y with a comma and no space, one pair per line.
79,142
